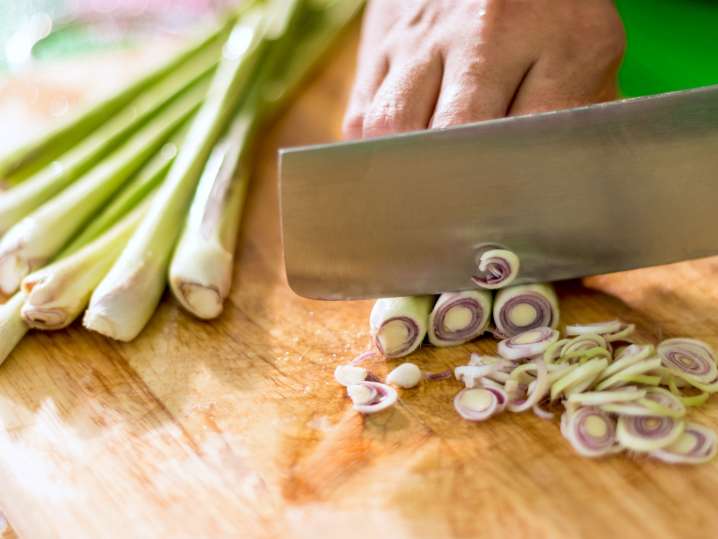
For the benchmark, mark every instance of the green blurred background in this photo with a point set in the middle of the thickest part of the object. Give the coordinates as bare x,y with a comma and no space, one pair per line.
672,44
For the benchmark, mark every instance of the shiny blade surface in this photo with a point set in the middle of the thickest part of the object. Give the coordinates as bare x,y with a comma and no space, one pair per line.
578,192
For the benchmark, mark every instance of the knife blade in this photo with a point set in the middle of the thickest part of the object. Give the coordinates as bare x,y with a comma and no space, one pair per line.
577,192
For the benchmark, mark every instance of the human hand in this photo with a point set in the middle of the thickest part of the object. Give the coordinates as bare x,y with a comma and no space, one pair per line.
437,63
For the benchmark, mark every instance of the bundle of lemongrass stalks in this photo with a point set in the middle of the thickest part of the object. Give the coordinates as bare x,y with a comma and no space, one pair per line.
151,182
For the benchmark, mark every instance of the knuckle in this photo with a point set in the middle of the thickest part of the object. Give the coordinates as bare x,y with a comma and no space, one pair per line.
380,122
352,125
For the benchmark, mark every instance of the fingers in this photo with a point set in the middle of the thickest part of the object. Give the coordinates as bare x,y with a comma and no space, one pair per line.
550,87
370,75
477,88
556,83
406,98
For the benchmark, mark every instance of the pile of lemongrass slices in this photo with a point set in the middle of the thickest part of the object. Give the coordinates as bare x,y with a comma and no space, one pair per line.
613,395
147,187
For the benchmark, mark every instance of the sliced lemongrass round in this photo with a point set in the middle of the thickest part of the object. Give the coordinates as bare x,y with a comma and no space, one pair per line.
591,431
499,390
586,341
622,334
623,377
536,391
476,404
595,398
348,375
585,354
459,317
372,397
635,353
398,325
554,351
406,375
582,373
648,433
696,445
599,328
663,402
497,268
523,307
689,400
527,344
689,358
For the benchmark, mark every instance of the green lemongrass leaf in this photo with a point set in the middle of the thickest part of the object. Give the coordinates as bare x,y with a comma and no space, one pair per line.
20,201
39,237
28,159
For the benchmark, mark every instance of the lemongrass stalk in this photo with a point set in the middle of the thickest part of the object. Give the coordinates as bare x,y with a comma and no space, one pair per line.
201,269
124,301
20,201
146,181
398,325
36,239
12,327
28,159
58,293
459,317
521,308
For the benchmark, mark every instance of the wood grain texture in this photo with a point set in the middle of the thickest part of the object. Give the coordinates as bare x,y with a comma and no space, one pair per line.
236,428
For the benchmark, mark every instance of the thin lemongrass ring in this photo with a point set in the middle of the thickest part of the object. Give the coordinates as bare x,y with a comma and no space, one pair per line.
599,328
622,377
631,355
622,334
587,371
372,397
663,402
536,391
591,432
696,445
648,433
476,404
595,398
496,268
527,344
689,358
688,400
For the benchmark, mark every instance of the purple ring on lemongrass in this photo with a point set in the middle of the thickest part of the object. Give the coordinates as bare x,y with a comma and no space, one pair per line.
541,306
527,344
496,267
477,404
378,397
697,444
591,431
688,357
472,329
647,433
412,330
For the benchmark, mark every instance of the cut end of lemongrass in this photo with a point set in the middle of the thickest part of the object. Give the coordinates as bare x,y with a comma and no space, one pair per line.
12,326
44,318
103,322
202,301
124,302
201,276
13,268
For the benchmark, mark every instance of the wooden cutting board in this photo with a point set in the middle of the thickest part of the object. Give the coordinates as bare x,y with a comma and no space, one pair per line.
236,428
